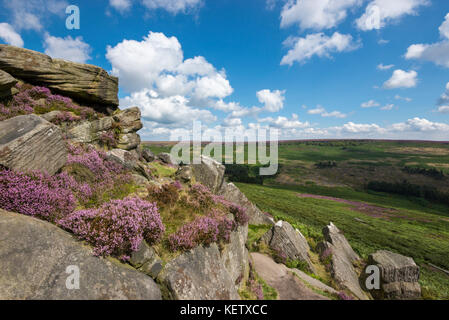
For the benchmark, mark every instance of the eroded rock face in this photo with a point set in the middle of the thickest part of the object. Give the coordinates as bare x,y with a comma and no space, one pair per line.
129,141
82,82
235,256
343,261
231,193
209,173
284,238
399,276
148,155
198,275
6,83
31,143
146,260
166,158
34,257
128,160
129,120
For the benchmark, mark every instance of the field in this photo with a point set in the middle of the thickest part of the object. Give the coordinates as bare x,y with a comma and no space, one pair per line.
323,181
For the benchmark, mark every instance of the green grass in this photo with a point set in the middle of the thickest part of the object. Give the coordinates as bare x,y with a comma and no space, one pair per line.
424,241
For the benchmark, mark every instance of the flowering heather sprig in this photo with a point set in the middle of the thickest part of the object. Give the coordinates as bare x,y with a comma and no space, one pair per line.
239,212
204,230
343,296
177,185
200,197
256,288
36,194
108,139
40,100
117,227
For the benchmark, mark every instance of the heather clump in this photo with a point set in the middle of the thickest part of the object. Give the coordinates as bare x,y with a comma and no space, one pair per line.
204,230
117,227
166,195
39,194
40,100
109,179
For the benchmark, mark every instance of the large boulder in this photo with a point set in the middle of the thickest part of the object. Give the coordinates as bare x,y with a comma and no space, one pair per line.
37,258
83,82
343,261
129,120
399,276
128,160
31,143
128,141
148,155
235,256
256,217
209,173
285,239
198,275
6,83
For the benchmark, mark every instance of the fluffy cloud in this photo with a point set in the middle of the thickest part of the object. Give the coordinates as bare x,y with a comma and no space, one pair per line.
385,67
67,48
420,125
171,91
352,128
285,123
398,97
120,5
10,36
303,49
316,14
379,13
370,104
437,53
319,110
402,79
29,14
172,111
273,101
387,107
443,102
172,6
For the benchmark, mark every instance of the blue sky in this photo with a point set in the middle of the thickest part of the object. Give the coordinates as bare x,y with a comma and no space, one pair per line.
311,68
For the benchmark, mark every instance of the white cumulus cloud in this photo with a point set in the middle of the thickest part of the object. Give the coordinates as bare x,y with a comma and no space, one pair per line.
402,79
68,48
9,35
379,13
319,110
437,53
316,14
121,5
370,104
173,6
319,44
273,101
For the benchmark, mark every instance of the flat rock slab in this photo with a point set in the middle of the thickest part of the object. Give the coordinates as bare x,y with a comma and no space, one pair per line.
35,255
314,282
83,82
31,143
278,276
198,275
